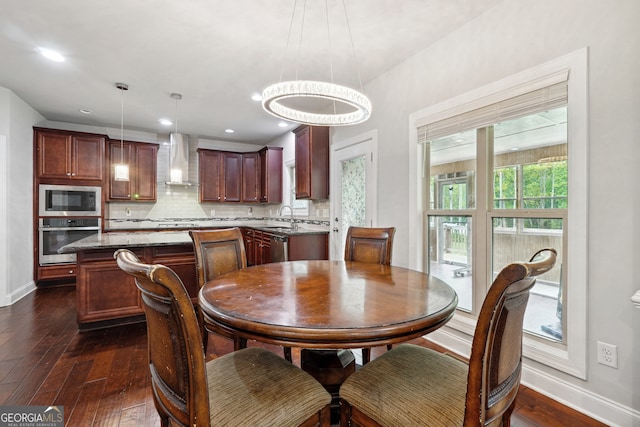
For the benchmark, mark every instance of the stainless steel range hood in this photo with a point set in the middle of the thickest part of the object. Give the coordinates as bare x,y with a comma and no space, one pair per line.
179,161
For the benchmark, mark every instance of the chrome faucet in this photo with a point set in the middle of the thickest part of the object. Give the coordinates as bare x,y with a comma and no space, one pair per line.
294,224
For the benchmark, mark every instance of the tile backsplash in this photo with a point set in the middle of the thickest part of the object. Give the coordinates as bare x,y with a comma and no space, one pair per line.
182,202
176,202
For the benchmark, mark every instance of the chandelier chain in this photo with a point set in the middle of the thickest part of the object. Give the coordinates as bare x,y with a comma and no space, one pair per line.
274,97
353,47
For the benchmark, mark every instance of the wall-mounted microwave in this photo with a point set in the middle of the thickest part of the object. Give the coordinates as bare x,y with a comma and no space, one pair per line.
69,200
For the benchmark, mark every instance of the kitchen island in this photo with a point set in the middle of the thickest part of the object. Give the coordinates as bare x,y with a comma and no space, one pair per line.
107,296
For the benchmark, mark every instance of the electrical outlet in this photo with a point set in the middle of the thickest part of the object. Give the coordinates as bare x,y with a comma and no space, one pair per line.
608,354
213,212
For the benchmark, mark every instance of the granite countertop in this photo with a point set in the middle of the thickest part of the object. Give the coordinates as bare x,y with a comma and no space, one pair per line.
264,224
167,236
127,240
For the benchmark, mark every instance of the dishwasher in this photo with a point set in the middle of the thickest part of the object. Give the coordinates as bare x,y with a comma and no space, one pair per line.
279,248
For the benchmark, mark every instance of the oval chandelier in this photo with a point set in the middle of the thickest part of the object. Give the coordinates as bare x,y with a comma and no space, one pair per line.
358,103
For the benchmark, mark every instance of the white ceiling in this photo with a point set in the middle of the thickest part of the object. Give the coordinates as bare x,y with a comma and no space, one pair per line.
215,53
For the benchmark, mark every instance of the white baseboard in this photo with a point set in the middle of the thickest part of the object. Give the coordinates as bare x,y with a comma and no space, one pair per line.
598,407
21,292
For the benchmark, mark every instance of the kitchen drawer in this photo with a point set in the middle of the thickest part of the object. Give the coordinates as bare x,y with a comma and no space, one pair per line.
62,271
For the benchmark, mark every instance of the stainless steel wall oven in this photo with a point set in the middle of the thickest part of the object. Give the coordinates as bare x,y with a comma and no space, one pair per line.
58,232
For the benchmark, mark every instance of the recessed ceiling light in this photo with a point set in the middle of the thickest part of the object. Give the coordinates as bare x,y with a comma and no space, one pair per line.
86,111
165,122
229,130
283,124
256,97
51,54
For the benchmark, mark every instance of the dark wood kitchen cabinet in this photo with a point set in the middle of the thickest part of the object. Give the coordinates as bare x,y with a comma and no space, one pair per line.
220,175
232,173
210,175
257,245
271,175
106,295
312,162
64,155
248,236
250,177
142,159
304,246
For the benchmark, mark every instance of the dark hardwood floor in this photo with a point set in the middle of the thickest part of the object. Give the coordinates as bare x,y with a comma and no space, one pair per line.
102,379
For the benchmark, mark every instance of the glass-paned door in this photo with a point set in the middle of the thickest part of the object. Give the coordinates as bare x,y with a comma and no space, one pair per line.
353,192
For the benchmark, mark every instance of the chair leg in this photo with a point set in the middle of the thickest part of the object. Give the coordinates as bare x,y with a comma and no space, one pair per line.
239,343
287,353
345,413
389,347
506,416
366,355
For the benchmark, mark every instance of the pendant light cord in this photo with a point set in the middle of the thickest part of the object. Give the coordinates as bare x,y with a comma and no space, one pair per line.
121,124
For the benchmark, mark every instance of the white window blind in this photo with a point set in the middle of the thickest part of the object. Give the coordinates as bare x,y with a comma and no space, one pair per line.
542,99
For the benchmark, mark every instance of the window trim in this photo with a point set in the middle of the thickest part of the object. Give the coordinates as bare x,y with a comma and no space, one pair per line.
569,357
288,191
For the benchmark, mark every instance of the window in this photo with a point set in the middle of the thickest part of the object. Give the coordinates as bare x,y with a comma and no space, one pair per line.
525,177
300,206
499,178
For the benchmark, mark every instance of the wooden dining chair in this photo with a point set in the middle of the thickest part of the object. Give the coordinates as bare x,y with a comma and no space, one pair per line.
412,385
218,252
247,387
370,245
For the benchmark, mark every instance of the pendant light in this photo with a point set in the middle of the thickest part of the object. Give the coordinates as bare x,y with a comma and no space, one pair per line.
121,170
356,101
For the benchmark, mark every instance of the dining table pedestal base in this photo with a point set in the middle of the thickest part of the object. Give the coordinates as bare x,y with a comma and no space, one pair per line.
331,368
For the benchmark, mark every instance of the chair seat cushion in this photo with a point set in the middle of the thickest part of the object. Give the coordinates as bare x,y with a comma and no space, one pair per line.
410,386
253,386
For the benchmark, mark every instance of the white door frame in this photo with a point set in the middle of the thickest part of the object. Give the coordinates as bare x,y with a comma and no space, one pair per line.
366,143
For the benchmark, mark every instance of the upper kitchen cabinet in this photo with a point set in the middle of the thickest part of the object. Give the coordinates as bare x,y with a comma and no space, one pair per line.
232,173
220,176
142,159
63,155
312,162
250,177
210,175
271,175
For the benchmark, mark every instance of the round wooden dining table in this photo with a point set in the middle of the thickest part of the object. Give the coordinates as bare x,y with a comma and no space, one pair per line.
327,304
